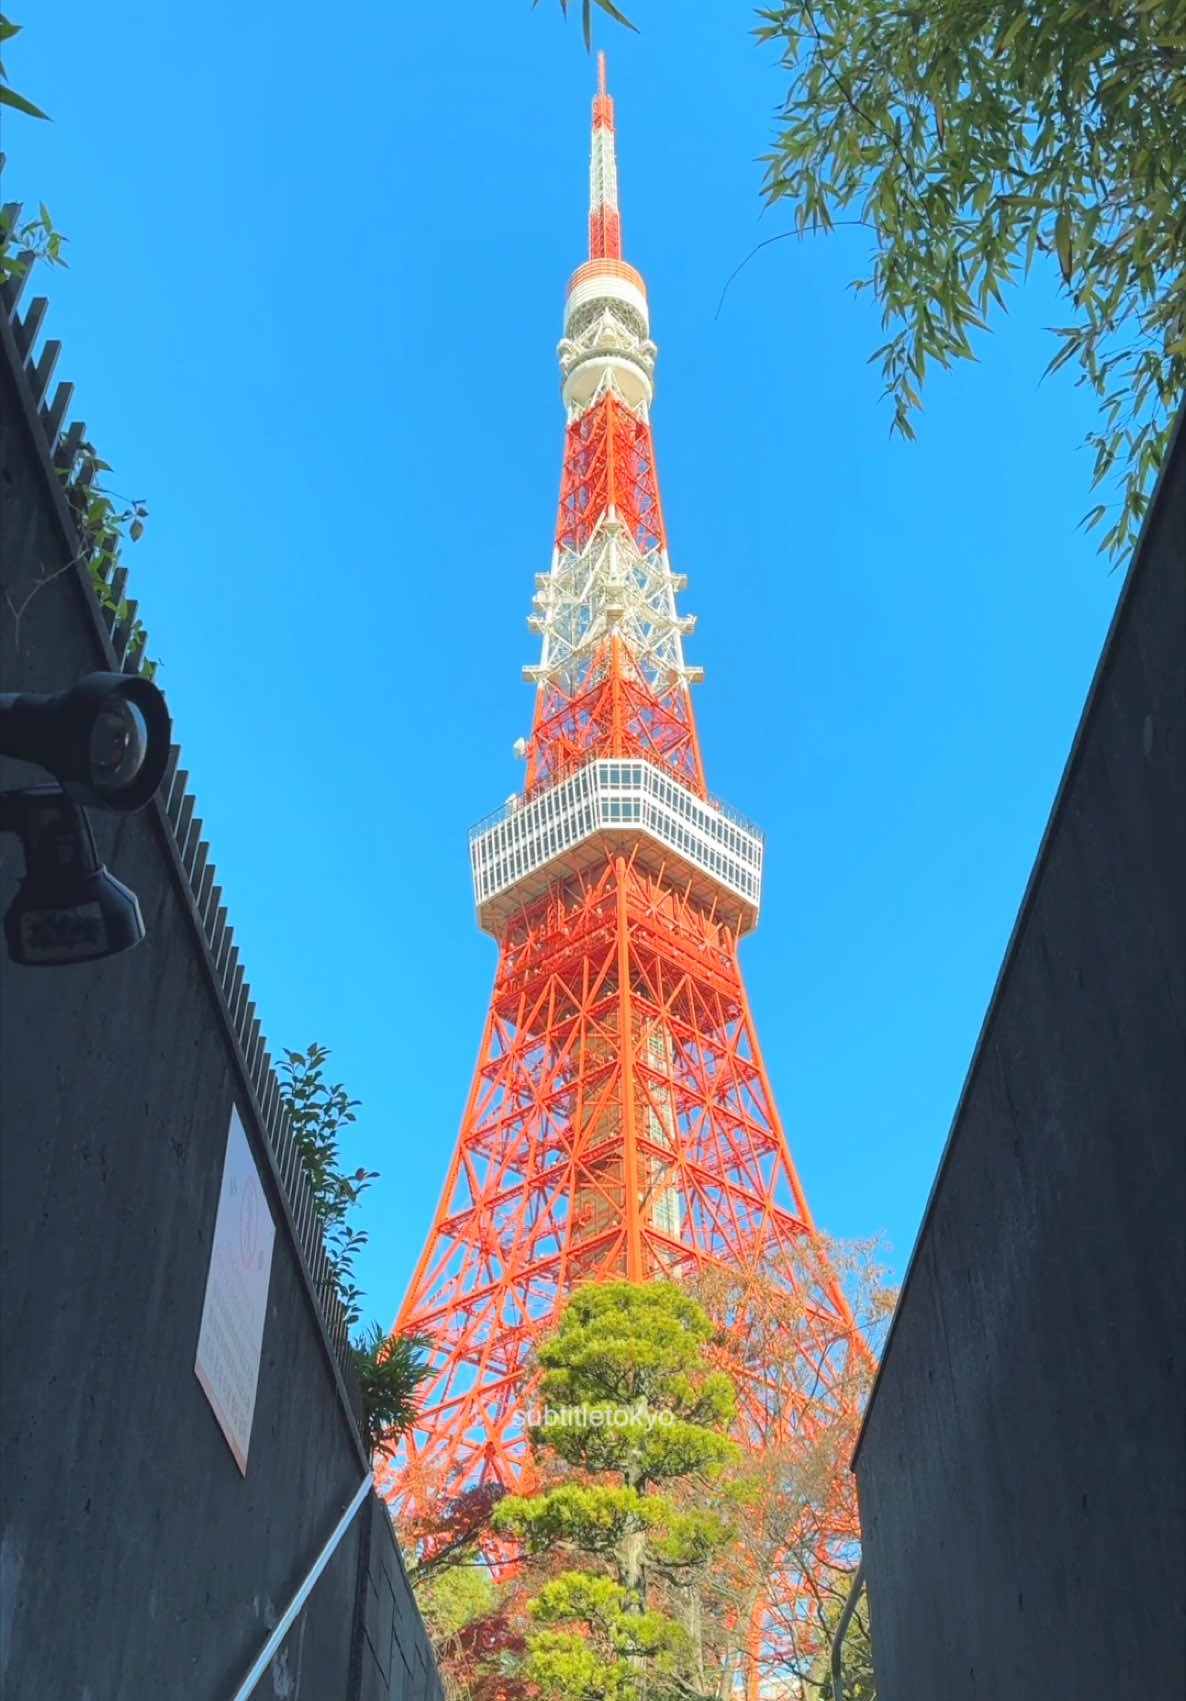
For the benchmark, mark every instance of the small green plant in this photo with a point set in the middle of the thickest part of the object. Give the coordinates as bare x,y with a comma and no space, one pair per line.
390,1368
102,519
36,239
102,525
22,245
317,1114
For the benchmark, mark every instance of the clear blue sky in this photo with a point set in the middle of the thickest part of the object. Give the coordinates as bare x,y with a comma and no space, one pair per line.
317,269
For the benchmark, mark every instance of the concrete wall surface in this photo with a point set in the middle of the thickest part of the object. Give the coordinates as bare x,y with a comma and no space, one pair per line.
1022,1471
395,1661
137,1561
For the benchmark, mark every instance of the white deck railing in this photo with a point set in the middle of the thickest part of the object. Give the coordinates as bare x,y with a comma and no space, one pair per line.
617,795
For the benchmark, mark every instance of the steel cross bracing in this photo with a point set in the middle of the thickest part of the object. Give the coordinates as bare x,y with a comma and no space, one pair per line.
620,1123
611,678
610,587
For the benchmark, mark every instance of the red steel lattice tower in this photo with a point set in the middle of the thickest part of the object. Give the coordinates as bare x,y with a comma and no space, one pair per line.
621,1122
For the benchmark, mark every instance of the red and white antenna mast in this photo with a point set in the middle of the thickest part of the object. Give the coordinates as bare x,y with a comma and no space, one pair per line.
605,224
612,677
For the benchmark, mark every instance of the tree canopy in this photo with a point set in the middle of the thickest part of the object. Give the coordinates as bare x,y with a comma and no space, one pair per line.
629,1405
972,136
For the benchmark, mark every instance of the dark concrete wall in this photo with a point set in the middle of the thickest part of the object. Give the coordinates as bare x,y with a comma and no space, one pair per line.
135,1560
1021,1472
394,1659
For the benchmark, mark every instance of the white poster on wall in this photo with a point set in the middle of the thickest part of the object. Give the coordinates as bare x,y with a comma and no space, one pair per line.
231,1337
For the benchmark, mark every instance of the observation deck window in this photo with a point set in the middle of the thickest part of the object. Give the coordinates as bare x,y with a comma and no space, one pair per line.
526,835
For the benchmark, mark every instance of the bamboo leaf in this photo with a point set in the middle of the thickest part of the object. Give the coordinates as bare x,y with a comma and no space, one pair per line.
1062,242
9,97
1013,31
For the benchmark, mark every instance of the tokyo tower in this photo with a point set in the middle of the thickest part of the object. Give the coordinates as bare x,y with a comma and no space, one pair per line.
620,1124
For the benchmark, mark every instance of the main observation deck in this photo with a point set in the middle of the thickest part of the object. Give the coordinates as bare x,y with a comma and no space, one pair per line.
614,805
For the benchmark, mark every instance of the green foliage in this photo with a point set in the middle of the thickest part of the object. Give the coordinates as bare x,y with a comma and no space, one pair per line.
566,1664
479,1649
621,1345
610,1646
635,1415
101,524
317,1114
689,1540
102,519
36,239
973,135
454,1599
8,95
606,6
390,1370
859,1677
580,1515
22,245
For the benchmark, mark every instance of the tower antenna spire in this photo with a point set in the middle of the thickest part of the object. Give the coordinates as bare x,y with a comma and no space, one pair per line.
605,223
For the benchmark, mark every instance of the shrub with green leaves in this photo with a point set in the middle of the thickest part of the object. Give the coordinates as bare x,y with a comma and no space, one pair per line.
390,1369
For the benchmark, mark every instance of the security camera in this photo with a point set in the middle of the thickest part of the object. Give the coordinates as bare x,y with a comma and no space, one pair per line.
107,741
69,908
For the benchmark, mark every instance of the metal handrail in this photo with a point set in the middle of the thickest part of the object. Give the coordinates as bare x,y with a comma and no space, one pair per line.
850,1606
264,1658
520,801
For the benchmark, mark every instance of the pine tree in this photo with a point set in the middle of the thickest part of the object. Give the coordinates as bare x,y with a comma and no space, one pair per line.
635,1418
